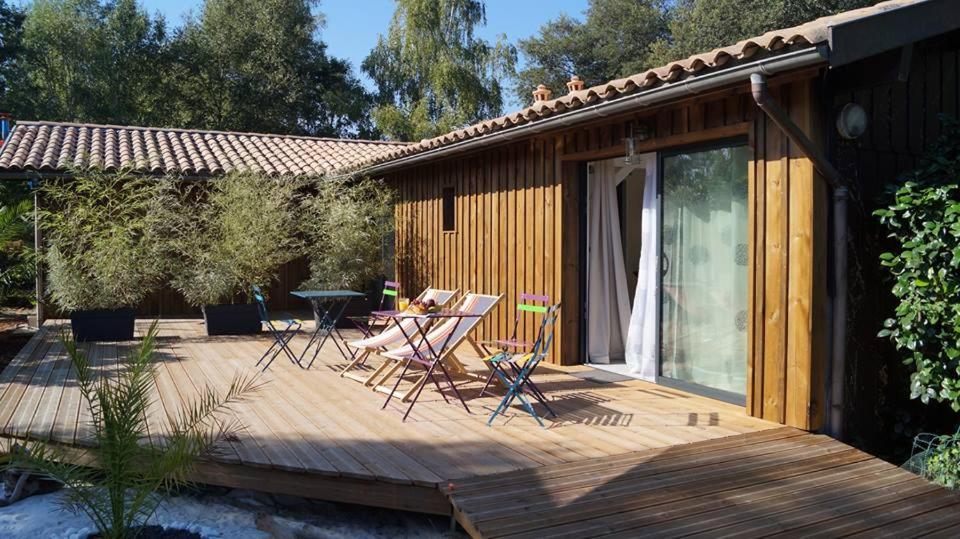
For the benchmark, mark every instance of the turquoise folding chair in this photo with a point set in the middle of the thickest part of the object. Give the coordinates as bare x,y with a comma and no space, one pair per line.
281,337
528,305
519,385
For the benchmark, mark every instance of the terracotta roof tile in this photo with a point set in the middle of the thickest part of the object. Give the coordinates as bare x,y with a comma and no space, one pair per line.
52,146
805,35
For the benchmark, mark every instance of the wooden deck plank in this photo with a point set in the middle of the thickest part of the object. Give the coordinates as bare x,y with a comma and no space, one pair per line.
592,466
631,471
264,449
84,429
42,424
284,424
715,511
249,452
579,498
65,423
187,388
31,393
609,499
380,459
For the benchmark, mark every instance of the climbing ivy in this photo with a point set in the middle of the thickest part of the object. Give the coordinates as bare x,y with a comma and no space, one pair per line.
924,224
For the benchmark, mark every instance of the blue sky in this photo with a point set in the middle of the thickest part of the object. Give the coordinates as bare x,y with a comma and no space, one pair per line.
352,26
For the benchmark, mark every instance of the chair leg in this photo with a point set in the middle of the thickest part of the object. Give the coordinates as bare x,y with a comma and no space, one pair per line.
419,390
526,404
406,364
370,380
393,367
357,361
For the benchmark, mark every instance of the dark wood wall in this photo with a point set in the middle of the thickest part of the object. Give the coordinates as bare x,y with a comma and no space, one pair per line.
903,107
168,303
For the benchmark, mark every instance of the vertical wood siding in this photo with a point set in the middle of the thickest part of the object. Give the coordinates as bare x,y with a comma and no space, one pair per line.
517,230
506,239
788,274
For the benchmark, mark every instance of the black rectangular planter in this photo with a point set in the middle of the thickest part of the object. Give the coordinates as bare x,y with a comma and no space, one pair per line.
103,325
237,319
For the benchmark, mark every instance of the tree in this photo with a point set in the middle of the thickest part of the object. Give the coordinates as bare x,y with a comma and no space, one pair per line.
619,38
613,41
248,65
703,25
432,73
86,61
11,31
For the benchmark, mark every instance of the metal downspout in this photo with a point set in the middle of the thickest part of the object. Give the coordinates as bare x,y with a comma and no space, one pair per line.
838,312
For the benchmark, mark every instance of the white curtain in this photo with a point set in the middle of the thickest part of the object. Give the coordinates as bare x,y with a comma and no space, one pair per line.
641,347
608,304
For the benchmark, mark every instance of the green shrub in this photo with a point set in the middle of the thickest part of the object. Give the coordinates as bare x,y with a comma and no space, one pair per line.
924,223
17,260
936,458
230,233
124,490
346,225
103,251
943,463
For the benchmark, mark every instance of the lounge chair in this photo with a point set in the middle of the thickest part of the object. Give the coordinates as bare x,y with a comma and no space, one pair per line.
518,382
436,348
393,335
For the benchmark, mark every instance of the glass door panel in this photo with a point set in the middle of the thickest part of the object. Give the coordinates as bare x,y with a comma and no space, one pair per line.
703,293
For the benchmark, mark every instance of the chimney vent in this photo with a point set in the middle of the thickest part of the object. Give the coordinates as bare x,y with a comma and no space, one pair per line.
542,93
575,84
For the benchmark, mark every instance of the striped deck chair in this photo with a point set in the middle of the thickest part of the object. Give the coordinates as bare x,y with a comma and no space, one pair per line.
444,338
518,382
391,336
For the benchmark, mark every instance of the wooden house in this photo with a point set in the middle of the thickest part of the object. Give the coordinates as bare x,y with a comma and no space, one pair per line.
836,107
694,220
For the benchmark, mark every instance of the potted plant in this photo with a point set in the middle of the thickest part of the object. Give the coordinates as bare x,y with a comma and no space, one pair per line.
350,224
102,252
225,236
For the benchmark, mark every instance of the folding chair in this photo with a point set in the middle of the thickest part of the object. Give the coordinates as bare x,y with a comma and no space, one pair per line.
281,338
366,324
435,348
393,335
522,367
527,305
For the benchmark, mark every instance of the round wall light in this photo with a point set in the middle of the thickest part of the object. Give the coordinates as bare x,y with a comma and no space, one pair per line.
852,121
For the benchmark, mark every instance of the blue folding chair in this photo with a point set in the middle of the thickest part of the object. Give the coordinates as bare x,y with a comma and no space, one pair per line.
519,385
281,337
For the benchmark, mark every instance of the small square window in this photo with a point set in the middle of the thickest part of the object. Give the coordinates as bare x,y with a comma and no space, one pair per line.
449,209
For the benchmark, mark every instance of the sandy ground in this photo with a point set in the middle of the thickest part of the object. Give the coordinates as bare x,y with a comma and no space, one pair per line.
232,514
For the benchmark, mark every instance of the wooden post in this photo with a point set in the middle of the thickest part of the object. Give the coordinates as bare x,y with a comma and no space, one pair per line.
37,245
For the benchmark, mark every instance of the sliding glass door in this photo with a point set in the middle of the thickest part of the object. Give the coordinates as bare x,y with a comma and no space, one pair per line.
703,293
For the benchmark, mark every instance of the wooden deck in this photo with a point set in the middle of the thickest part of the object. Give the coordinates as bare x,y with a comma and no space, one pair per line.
315,434
775,482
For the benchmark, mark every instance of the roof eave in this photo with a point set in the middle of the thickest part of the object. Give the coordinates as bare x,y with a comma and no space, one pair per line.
789,61
863,37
